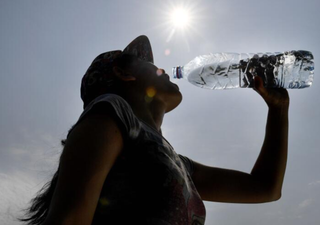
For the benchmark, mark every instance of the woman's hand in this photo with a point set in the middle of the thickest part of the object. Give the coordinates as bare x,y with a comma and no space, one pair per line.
275,98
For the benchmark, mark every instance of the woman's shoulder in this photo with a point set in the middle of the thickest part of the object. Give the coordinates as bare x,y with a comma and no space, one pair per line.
116,101
116,107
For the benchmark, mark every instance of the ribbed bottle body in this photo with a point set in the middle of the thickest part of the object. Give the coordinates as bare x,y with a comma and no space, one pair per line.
289,70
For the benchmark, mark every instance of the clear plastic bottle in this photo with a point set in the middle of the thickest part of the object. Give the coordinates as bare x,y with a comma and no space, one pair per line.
291,70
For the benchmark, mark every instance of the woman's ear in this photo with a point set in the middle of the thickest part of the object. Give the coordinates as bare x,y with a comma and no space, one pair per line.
122,75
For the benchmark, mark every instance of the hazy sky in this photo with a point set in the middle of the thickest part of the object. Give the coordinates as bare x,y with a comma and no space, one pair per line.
46,47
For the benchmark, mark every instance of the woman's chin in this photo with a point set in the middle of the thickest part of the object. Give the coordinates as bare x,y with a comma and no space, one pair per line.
175,100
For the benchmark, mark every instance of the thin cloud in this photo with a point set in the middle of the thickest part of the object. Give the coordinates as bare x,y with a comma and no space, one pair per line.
25,166
35,151
306,203
314,183
16,191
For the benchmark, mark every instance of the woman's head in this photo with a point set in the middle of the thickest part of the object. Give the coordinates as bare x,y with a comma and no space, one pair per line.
113,72
99,77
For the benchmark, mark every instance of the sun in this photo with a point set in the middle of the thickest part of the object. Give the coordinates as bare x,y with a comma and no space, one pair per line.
180,21
180,18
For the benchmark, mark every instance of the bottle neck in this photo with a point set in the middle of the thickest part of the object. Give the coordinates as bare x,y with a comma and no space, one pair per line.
177,72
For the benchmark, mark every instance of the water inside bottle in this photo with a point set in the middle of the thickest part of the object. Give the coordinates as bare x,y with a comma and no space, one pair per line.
215,76
291,70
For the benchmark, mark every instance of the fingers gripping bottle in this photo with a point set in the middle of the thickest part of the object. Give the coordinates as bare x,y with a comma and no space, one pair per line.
290,70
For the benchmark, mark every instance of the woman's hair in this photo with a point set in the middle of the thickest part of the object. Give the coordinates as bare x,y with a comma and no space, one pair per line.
124,60
112,84
38,211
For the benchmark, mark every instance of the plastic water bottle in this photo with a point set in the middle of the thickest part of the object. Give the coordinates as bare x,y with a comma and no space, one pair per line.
291,70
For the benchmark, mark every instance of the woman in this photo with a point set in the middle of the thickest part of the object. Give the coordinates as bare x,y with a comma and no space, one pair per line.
117,168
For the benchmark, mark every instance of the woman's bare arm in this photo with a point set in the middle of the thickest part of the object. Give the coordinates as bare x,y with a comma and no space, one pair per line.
264,183
90,152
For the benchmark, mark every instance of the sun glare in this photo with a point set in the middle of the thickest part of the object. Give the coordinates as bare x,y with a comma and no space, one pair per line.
180,18
182,21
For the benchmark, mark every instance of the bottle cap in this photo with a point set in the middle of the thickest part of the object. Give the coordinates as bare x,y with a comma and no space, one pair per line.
177,72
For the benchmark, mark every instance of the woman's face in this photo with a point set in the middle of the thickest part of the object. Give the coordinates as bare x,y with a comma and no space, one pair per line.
155,84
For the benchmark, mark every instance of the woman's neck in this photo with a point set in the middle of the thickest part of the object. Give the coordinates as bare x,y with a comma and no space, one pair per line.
151,113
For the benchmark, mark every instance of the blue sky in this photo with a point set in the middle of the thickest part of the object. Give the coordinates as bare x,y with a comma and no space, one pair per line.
46,47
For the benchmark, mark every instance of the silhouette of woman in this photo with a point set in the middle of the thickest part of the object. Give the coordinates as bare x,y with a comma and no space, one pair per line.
117,168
